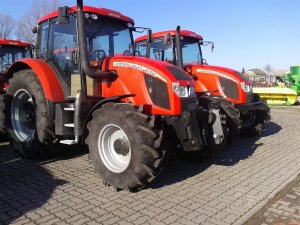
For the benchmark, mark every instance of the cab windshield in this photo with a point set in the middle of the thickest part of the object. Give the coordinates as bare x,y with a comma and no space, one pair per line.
158,50
11,54
191,51
106,37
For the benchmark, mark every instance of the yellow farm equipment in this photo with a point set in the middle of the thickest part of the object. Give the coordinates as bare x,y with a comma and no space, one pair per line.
277,95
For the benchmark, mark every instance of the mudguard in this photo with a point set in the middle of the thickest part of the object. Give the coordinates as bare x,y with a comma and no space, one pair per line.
50,83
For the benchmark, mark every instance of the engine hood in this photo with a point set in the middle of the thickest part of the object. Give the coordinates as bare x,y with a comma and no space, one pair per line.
159,69
220,71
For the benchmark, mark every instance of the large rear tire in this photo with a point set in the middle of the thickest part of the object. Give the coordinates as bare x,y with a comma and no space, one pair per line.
124,146
28,122
3,131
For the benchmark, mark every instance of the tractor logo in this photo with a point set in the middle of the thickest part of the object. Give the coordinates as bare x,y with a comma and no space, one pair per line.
215,73
139,67
114,15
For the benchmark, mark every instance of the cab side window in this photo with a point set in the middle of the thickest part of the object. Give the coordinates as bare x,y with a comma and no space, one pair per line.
42,44
62,46
141,49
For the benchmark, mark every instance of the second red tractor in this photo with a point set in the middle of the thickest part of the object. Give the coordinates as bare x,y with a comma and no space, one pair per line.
183,49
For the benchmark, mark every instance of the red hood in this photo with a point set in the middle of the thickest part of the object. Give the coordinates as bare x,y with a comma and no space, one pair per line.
164,70
227,71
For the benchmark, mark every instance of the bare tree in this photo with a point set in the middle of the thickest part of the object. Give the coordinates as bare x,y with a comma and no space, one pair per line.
7,24
243,71
39,8
268,68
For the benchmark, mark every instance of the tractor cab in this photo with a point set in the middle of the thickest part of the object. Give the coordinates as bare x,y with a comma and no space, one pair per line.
163,47
12,51
108,34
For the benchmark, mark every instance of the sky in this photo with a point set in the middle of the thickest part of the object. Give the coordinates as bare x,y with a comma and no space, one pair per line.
247,33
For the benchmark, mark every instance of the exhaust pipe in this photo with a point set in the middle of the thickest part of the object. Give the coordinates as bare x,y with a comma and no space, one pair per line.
149,41
178,48
94,74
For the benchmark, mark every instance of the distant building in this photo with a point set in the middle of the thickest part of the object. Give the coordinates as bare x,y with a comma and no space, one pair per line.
256,72
280,72
260,78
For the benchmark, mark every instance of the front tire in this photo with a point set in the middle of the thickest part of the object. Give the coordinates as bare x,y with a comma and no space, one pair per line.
28,122
255,122
124,146
233,121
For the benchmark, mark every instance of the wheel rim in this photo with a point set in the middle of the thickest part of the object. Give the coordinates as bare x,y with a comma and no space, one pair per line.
248,119
114,148
23,116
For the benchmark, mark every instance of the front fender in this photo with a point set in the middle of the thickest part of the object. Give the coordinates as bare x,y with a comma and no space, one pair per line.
49,81
97,106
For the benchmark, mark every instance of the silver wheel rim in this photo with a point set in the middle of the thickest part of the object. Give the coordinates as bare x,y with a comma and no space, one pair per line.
114,148
23,115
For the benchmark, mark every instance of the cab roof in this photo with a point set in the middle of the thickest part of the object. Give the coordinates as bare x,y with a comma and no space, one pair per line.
96,10
14,43
185,33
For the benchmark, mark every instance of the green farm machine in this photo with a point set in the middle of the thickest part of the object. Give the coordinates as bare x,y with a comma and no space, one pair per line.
292,79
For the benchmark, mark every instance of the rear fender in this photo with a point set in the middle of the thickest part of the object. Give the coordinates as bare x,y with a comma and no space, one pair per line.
49,81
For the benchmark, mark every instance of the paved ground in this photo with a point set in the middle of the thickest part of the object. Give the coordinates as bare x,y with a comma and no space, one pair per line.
227,190
284,209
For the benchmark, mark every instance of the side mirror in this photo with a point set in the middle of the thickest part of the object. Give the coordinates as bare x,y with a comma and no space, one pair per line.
63,15
212,46
34,30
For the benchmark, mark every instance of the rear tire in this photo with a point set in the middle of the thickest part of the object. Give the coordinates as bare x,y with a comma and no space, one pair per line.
28,122
124,146
3,131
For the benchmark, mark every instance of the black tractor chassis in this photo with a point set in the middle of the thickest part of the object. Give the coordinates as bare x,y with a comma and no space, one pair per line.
259,104
186,126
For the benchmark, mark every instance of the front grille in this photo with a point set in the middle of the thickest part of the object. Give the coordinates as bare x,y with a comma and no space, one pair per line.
179,74
229,88
158,91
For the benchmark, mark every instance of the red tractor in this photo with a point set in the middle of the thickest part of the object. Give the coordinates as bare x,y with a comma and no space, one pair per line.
84,84
10,51
183,48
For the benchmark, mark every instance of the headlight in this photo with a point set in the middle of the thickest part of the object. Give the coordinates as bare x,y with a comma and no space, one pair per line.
246,87
183,91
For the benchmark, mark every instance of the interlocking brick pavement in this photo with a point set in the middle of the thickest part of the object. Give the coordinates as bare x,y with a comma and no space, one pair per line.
284,209
226,190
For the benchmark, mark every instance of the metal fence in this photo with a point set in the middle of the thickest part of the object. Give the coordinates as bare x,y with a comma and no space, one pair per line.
264,80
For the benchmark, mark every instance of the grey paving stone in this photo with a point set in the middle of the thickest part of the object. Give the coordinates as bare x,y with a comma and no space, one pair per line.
227,188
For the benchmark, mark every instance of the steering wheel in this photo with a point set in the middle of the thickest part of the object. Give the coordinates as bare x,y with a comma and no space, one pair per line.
5,67
127,53
98,54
